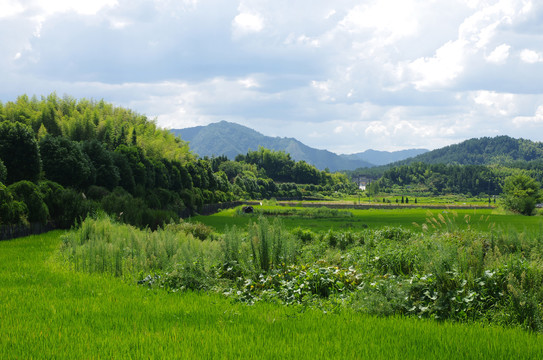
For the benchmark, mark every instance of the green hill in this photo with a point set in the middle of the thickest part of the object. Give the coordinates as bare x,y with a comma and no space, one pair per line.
482,151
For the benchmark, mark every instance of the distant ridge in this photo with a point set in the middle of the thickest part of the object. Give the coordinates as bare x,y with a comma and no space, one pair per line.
482,151
230,139
384,157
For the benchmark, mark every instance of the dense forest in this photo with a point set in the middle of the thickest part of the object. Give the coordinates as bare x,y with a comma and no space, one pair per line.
62,158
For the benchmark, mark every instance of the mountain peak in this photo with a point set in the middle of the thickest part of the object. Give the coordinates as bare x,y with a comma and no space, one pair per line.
231,139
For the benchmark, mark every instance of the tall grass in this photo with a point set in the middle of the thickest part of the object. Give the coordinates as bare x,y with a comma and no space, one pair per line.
102,246
272,246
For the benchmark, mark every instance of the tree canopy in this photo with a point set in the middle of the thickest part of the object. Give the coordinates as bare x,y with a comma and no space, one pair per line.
521,193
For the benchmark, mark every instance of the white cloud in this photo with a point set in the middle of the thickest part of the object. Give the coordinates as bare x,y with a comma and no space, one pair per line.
531,56
530,120
377,128
247,22
502,104
10,8
460,57
338,130
499,55
389,19
83,7
249,82
441,69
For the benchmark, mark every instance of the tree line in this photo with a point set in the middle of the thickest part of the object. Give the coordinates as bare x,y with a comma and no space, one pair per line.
62,158
440,179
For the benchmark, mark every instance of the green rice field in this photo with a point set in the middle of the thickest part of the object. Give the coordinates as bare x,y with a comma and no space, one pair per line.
49,311
411,218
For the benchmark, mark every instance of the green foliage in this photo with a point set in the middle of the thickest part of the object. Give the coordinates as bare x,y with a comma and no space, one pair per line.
279,166
197,230
65,163
3,172
304,235
19,152
11,212
234,263
29,193
521,194
476,166
106,173
132,210
443,179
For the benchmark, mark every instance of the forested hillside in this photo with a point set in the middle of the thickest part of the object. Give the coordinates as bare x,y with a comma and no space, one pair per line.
501,150
62,158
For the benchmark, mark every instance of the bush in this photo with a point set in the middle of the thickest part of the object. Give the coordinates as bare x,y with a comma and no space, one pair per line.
11,212
97,192
304,235
75,208
3,172
29,193
197,230
66,206
189,276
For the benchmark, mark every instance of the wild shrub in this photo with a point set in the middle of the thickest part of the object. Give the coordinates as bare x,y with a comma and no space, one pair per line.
97,192
304,235
189,276
380,297
198,230
395,260
394,233
340,240
525,294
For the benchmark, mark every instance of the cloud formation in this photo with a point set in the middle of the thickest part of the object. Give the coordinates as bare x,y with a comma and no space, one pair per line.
345,76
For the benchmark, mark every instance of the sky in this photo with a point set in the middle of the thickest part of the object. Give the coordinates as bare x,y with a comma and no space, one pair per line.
339,75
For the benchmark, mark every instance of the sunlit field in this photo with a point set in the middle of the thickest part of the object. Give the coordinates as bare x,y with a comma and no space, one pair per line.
50,311
411,218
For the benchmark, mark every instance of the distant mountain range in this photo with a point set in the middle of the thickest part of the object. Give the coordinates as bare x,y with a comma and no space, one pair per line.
377,157
230,139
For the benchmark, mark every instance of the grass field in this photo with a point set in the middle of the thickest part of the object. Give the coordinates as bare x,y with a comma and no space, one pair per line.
480,219
48,311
